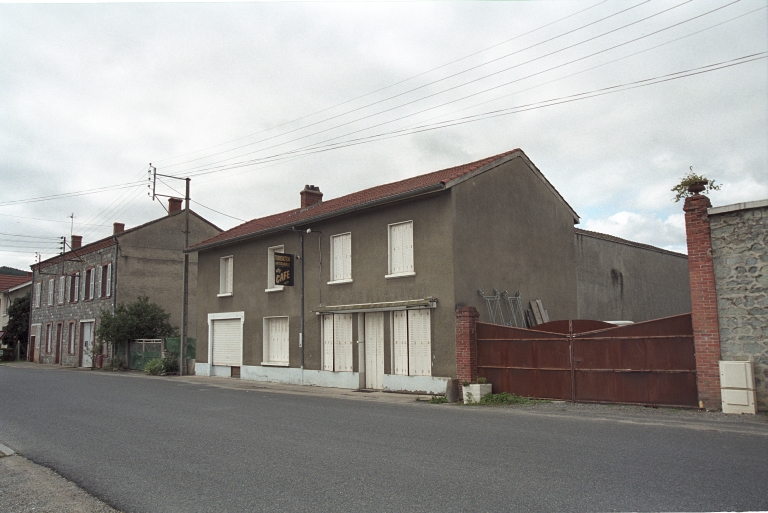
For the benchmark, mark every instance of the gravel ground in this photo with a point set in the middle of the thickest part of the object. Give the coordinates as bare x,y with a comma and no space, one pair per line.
26,487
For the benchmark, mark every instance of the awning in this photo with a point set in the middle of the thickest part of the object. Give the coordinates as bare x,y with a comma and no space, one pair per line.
385,306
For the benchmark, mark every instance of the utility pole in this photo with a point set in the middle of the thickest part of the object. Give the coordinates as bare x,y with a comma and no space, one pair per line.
185,301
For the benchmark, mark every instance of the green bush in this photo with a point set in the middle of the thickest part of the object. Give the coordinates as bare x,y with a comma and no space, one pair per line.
438,399
115,363
505,398
154,367
171,363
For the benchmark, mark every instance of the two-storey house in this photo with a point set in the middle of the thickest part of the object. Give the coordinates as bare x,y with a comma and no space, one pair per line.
70,291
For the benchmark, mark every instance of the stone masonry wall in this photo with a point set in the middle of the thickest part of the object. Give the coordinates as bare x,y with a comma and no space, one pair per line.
741,277
68,313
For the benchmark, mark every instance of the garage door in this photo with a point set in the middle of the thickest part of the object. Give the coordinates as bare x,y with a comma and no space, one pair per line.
227,335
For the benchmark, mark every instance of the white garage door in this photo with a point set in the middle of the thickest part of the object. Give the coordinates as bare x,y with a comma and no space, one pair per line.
227,341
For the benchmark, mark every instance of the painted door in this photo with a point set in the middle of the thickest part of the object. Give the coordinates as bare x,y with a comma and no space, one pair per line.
374,350
227,342
58,344
86,343
419,343
328,342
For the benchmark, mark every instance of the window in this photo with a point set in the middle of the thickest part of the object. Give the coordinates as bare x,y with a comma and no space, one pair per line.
62,288
89,284
411,342
341,258
400,250
225,276
74,288
50,291
38,288
71,338
106,280
271,287
337,342
48,339
275,341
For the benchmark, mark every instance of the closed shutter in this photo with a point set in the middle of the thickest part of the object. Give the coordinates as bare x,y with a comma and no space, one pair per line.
419,343
227,342
337,263
408,247
93,279
278,339
347,256
328,342
400,335
62,288
396,253
50,292
342,338
109,280
38,288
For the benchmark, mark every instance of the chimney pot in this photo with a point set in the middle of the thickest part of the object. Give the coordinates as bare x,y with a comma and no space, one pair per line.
77,241
310,196
174,205
118,228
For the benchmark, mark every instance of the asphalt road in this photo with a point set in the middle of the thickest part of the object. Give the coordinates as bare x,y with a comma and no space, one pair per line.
162,444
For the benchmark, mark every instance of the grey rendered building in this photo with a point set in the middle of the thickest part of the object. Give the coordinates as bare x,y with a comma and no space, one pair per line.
385,268
70,291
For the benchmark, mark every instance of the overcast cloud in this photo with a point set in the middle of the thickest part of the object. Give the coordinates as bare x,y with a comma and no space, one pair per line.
91,93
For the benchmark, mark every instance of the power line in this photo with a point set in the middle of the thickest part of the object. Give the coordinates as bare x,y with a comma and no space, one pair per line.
27,236
223,167
41,219
428,84
476,80
69,194
389,86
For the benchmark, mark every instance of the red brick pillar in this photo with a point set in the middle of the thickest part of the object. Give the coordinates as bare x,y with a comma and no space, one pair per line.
706,331
466,343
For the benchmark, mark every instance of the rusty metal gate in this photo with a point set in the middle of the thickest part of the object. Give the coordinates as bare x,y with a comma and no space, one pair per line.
650,362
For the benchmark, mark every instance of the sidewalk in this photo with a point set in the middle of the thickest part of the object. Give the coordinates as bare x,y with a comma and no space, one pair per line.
26,487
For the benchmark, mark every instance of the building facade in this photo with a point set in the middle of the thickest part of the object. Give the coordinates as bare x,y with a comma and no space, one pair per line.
70,291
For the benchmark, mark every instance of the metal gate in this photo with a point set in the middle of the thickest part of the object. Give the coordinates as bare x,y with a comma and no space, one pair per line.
650,362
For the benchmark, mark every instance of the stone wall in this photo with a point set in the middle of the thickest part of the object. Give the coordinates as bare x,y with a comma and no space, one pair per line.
741,277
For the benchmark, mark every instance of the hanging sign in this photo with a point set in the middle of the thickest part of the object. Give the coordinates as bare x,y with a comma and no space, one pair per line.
284,269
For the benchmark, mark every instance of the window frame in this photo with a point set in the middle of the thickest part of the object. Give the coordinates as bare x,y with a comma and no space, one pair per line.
390,272
267,343
226,276
271,286
341,237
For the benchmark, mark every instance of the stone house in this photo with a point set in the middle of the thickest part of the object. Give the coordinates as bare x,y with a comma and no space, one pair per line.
729,287
70,291
382,271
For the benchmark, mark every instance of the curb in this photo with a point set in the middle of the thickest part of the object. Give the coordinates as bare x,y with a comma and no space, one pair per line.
6,451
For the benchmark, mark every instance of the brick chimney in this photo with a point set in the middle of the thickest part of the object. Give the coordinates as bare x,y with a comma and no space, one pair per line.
77,241
118,228
310,195
174,205
706,329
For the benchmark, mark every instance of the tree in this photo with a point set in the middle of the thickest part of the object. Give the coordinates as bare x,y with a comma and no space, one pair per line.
17,331
140,319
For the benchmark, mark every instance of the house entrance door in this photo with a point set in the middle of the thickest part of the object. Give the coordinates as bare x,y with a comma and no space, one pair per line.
374,350
86,344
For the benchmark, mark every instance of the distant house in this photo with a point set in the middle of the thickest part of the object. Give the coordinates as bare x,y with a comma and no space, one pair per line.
12,287
384,270
70,291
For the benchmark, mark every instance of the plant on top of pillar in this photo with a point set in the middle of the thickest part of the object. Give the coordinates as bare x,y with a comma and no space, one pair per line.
693,184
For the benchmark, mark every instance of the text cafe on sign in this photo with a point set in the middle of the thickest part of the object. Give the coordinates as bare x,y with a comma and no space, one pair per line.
284,269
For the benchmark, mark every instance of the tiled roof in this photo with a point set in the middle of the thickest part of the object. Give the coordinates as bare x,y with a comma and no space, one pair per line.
350,201
8,281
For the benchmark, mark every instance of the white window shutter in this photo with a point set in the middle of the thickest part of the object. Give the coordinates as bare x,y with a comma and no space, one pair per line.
96,287
419,343
342,339
109,280
50,292
400,335
230,273
396,250
328,342
77,287
347,256
93,280
408,247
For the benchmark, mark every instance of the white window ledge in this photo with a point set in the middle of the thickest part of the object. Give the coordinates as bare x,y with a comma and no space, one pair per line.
226,294
338,282
276,289
274,364
399,275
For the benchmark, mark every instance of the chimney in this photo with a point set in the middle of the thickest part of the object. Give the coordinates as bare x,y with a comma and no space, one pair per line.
310,195
77,241
118,228
174,205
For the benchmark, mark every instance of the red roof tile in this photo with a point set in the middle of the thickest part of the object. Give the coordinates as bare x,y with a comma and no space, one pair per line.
350,201
8,281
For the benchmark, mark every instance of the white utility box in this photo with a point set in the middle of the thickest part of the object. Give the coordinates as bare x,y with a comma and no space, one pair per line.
737,387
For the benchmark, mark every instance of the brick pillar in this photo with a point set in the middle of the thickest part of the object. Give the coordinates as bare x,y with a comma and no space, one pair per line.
706,332
466,343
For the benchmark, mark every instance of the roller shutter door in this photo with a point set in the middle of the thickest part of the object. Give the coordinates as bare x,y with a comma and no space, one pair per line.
227,342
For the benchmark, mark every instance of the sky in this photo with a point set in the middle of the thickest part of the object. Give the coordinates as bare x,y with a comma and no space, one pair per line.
614,101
